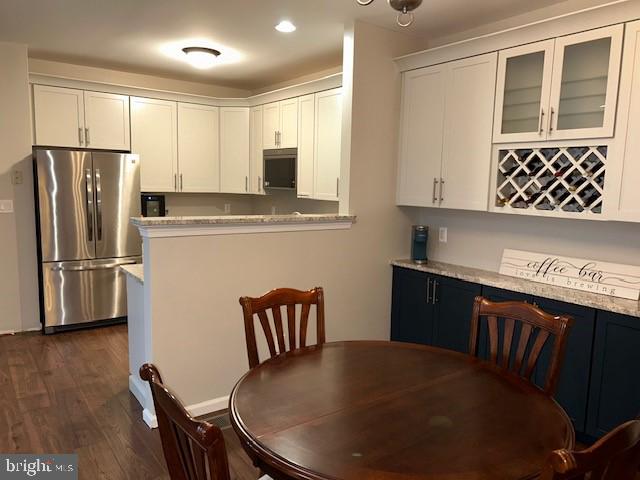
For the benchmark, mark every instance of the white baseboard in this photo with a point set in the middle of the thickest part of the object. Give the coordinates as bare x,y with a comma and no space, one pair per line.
13,332
139,390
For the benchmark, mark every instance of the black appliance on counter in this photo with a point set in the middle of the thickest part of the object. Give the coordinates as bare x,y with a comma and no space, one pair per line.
153,205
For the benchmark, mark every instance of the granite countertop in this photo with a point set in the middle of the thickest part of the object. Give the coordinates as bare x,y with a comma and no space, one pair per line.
493,279
136,271
242,219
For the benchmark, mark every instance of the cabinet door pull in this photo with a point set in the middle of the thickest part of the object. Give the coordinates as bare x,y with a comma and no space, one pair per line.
80,136
435,183
275,138
434,300
441,190
541,128
551,113
260,187
337,187
246,184
175,182
86,135
180,182
428,288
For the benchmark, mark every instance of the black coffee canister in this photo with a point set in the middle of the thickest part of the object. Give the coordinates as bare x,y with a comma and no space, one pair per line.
419,238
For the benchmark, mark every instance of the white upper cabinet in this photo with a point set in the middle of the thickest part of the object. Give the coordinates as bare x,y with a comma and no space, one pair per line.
584,91
624,191
328,144
234,149
306,150
445,137
523,89
106,117
256,183
280,124
65,117
421,136
466,159
59,116
559,89
154,136
288,137
198,148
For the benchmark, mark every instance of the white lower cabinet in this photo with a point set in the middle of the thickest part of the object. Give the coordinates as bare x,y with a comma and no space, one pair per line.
445,137
306,143
234,149
154,136
256,183
198,148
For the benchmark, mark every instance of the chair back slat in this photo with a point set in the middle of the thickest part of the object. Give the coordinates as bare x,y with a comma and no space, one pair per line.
616,456
538,344
304,323
266,328
525,334
193,450
536,327
509,327
274,301
276,313
492,321
291,326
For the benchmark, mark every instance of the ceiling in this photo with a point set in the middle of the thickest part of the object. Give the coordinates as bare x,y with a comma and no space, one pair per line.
143,35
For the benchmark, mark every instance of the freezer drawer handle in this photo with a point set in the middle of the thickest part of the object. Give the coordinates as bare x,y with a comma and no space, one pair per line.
106,266
99,203
89,202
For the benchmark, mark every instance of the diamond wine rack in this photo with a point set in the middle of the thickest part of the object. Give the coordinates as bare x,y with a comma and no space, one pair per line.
567,179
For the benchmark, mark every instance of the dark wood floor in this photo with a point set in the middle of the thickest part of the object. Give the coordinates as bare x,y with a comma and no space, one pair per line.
69,393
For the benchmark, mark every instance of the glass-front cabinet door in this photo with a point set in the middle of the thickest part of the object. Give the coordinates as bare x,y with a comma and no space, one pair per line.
523,88
586,72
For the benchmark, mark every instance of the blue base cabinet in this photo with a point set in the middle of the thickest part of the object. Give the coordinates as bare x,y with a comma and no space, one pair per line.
615,376
599,385
431,310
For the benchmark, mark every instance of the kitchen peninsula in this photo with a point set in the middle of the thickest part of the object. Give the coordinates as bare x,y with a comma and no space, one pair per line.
183,308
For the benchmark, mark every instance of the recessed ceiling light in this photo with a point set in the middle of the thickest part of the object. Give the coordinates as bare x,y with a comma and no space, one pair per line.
201,57
285,26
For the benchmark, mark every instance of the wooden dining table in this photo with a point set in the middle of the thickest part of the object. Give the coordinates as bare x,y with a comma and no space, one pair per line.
372,410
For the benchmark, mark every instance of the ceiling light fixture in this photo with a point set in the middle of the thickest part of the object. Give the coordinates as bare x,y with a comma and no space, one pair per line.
405,7
201,57
285,26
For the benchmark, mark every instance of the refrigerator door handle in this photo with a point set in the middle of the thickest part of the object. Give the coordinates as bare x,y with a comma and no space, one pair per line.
99,203
89,202
105,266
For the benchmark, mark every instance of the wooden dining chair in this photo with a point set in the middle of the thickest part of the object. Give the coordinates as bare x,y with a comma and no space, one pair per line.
274,301
616,456
536,326
193,449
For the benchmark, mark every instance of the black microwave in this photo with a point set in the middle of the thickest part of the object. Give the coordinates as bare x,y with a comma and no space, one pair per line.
280,168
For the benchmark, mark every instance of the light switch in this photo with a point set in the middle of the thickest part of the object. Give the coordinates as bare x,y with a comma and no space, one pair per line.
443,234
16,177
6,206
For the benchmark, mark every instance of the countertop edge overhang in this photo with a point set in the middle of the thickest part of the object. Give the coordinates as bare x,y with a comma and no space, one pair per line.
494,279
164,227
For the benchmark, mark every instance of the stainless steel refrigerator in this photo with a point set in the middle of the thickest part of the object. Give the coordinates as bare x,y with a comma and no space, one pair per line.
84,201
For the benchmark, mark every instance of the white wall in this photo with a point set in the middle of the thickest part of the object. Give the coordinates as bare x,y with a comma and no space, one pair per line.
193,284
189,204
18,269
476,239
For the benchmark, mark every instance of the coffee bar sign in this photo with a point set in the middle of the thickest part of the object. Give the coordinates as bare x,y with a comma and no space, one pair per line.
611,279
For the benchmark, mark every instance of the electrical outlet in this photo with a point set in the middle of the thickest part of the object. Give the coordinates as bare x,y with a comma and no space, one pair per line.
442,234
6,206
16,177
273,210
227,208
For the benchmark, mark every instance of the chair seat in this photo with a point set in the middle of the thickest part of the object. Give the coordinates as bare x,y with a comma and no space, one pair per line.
265,477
